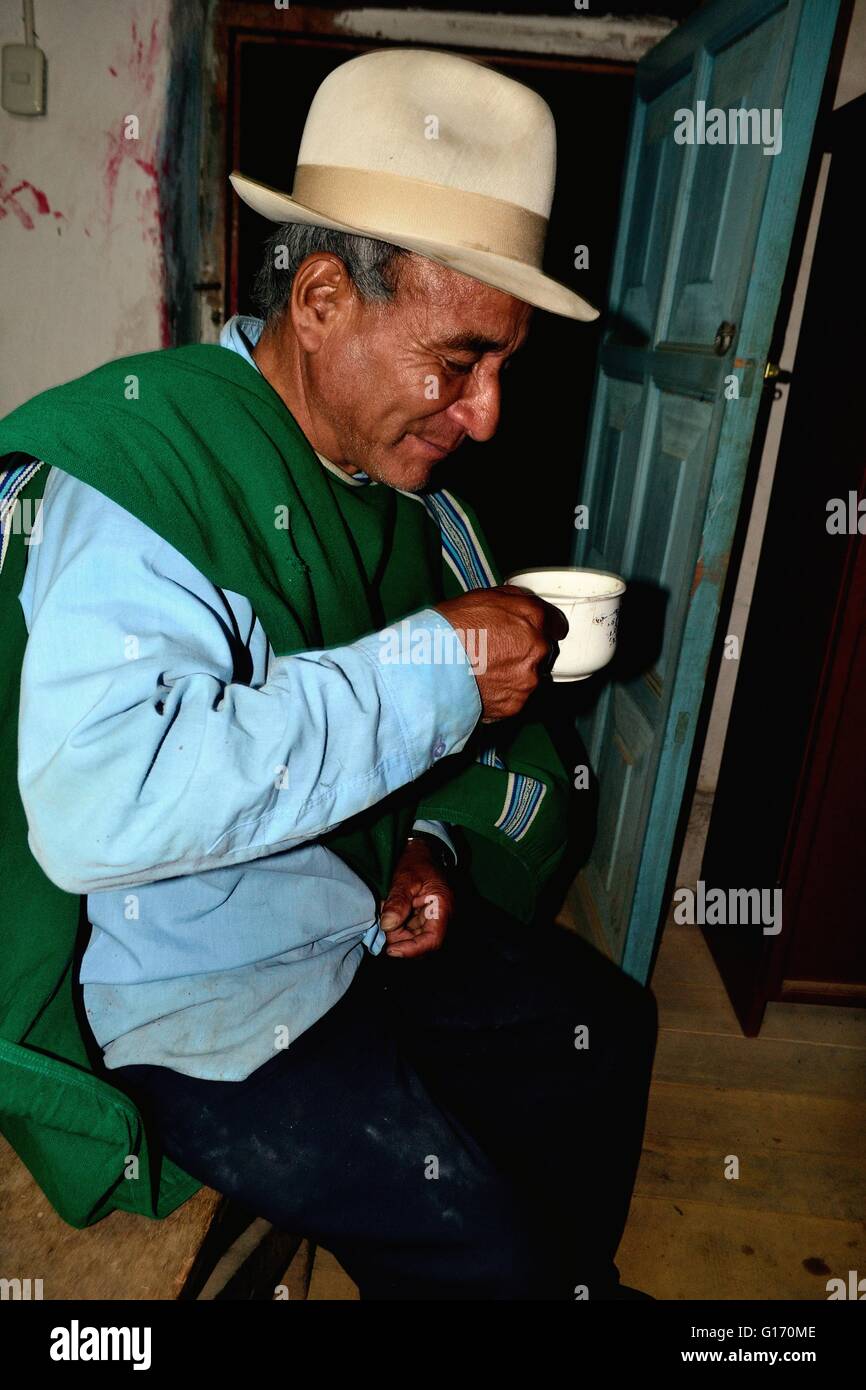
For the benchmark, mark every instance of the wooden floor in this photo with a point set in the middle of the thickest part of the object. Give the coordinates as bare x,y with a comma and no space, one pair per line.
790,1105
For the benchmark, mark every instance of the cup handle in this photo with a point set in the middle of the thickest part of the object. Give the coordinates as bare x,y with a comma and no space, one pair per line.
550,660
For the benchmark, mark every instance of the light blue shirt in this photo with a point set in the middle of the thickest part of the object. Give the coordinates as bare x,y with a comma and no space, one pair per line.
187,806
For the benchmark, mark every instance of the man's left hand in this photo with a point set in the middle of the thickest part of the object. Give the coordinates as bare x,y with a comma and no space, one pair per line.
420,901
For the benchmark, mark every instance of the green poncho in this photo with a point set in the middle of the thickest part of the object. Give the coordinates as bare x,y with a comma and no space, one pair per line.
198,446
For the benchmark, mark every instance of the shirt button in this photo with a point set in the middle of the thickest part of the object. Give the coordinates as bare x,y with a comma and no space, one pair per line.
438,749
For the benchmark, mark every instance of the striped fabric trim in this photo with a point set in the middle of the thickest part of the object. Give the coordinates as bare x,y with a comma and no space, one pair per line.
523,798
491,758
11,483
463,553
460,545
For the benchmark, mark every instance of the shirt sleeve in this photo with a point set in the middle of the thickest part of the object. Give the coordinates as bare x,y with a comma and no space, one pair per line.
141,757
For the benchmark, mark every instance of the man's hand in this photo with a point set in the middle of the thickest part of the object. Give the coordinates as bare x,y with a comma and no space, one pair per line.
420,901
519,628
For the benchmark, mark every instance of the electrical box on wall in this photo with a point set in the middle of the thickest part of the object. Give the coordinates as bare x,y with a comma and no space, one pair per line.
23,83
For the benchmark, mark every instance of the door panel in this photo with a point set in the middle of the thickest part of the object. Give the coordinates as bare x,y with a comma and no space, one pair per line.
650,227
704,236
620,406
669,508
745,75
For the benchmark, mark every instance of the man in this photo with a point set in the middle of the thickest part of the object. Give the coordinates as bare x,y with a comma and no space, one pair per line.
262,797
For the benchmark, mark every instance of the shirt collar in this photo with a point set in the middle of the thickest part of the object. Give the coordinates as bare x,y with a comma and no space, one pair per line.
241,333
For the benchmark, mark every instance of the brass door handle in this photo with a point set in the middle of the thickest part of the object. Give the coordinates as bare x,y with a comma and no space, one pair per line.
773,372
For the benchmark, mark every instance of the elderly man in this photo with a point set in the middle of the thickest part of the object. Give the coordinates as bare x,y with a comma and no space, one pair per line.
309,855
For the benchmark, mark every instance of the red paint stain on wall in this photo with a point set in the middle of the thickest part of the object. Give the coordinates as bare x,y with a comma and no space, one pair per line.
140,63
142,59
123,151
141,66
33,202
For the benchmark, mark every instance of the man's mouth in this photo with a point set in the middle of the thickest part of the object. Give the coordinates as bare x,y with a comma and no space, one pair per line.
438,451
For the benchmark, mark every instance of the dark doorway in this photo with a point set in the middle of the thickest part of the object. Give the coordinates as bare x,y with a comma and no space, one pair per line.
791,796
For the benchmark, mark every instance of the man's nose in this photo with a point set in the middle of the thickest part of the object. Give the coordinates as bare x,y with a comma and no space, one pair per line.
477,410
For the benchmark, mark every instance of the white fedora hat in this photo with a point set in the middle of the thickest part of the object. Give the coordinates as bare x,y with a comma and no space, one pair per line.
438,154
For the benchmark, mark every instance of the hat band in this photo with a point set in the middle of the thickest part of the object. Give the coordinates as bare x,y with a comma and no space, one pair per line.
399,205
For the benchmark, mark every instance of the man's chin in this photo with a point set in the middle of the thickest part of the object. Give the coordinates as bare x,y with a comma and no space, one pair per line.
424,456
408,469
406,479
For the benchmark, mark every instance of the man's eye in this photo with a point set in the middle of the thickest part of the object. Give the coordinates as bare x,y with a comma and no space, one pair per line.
461,368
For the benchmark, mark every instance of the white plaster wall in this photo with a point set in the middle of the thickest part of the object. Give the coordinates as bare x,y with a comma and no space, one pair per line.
80,237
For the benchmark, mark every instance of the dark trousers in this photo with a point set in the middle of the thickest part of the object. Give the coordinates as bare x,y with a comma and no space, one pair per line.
439,1130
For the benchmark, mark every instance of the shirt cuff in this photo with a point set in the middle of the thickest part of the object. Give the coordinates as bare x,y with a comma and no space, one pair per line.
435,827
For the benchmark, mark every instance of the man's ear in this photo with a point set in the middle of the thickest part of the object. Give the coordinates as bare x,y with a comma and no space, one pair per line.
322,297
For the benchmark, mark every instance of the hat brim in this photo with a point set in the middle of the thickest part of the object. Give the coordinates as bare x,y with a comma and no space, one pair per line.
515,277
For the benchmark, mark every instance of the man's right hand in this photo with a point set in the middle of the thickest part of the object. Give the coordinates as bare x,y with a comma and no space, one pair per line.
519,628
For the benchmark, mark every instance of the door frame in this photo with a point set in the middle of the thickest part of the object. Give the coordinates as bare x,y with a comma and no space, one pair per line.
578,44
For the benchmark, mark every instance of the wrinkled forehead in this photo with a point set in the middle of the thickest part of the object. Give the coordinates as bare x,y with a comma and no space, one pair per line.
461,313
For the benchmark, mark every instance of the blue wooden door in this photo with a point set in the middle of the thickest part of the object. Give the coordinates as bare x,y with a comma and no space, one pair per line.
705,230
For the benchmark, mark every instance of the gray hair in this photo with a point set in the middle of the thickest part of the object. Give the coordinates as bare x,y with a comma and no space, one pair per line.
373,266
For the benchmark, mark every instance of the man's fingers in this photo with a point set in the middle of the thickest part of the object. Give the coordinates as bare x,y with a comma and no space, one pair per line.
400,902
425,929
398,936
417,947
418,944
515,589
429,906
429,911
395,910
555,622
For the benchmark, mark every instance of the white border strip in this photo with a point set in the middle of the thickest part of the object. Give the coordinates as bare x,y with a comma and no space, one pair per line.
622,40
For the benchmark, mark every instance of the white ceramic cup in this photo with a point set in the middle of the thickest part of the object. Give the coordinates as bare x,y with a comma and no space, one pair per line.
590,601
